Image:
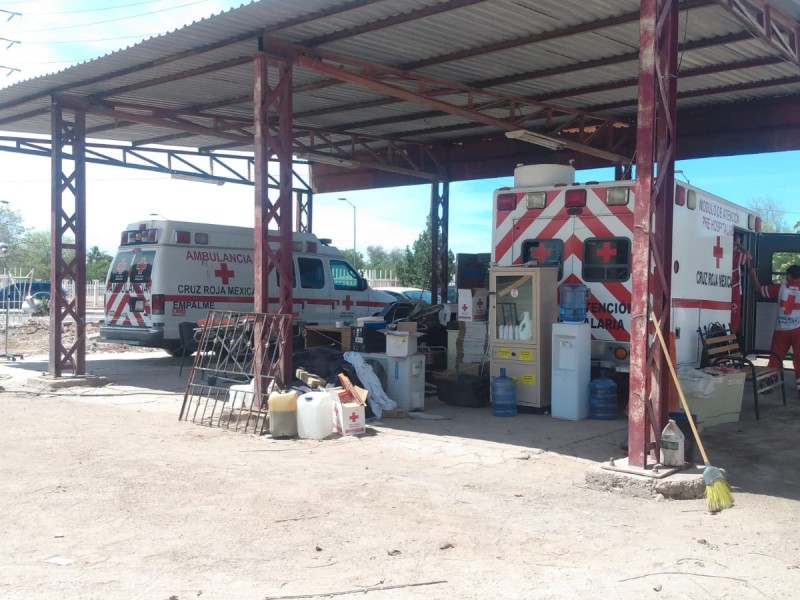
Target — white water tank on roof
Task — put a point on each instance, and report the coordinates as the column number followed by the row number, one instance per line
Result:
column 541, row 175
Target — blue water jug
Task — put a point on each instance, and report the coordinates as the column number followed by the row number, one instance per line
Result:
column 504, row 396
column 603, row 398
column 572, row 302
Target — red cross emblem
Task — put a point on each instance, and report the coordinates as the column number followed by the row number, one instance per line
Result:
column 353, row 417
column 347, row 302
column 224, row 273
column 717, row 251
column 480, row 303
column 541, row 253
column 789, row 305
column 122, row 266
column 605, row 252
column 141, row 266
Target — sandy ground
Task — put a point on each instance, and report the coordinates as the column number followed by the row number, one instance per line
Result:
column 107, row 495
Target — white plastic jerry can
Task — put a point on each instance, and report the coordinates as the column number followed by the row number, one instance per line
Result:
column 672, row 445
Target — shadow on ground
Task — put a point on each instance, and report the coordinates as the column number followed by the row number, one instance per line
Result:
column 760, row 456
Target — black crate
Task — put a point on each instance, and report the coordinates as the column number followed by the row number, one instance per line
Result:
column 367, row 339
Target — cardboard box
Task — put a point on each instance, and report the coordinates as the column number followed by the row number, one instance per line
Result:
column 402, row 342
column 348, row 414
column 473, row 304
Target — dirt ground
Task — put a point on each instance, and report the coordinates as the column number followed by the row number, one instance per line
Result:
column 107, row 495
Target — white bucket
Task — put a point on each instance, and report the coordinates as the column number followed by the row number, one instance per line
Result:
column 314, row 415
column 541, row 175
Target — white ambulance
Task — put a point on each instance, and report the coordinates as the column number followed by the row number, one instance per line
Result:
column 587, row 231
column 170, row 272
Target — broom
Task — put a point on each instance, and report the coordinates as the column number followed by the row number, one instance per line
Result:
column 718, row 492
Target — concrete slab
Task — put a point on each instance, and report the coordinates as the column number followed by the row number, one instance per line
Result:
column 754, row 452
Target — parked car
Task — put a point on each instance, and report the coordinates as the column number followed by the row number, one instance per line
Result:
column 12, row 295
column 408, row 294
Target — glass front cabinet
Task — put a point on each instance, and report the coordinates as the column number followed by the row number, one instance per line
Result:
column 522, row 309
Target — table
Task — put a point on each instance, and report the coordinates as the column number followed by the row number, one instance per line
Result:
column 326, row 335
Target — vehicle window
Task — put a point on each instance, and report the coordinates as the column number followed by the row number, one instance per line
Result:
column 312, row 273
column 142, row 267
column 780, row 262
column 135, row 267
column 545, row 252
column 121, row 267
column 344, row 276
column 606, row 259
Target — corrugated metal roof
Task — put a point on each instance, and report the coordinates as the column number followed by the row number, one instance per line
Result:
column 573, row 54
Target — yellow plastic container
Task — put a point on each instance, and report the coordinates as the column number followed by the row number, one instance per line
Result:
column 283, row 414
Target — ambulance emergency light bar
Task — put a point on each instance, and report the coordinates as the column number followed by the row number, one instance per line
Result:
column 536, row 138
column 329, row 160
column 139, row 236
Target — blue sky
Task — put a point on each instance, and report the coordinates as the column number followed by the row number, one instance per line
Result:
column 54, row 34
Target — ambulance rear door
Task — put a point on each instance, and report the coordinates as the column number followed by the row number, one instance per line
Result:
column 774, row 253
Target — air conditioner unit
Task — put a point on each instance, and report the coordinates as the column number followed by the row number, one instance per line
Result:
column 403, row 379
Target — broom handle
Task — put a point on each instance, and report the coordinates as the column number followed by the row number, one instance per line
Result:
column 678, row 386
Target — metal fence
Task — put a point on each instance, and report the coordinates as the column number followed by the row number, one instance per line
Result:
column 220, row 391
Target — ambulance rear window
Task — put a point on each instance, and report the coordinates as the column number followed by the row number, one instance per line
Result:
column 544, row 252
column 135, row 267
column 606, row 259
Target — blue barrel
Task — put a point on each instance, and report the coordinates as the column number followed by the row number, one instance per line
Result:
column 603, row 398
column 572, row 302
column 504, row 396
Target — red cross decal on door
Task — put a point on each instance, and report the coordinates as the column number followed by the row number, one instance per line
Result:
column 353, row 417
column 347, row 302
column 122, row 266
column 141, row 266
column 605, row 252
column 789, row 305
column 541, row 253
column 224, row 273
column 717, row 251
column 480, row 303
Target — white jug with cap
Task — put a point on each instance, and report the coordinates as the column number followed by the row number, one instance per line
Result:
column 315, row 415
column 672, row 445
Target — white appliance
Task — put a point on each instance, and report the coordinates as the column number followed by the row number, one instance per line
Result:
column 572, row 363
column 403, row 379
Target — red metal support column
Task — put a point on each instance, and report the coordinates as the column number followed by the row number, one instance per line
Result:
column 652, row 240
column 273, row 246
column 440, row 209
column 67, row 241
column 305, row 210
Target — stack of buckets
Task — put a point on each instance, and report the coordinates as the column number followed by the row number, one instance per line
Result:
column 603, row 390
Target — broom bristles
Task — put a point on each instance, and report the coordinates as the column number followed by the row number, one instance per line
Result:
column 719, row 495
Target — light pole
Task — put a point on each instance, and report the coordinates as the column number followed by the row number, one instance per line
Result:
column 355, row 256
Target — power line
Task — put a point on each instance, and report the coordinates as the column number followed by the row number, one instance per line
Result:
column 94, row 23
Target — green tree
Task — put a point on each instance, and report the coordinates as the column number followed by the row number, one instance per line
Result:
column 414, row 269
column 378, row 258
column 773, row 215
column 354, row 259
column 97, row 263
column 33, row 254
column 12, row 233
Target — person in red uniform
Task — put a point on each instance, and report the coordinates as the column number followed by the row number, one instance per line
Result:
column 741, row 259
column 787, row 326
